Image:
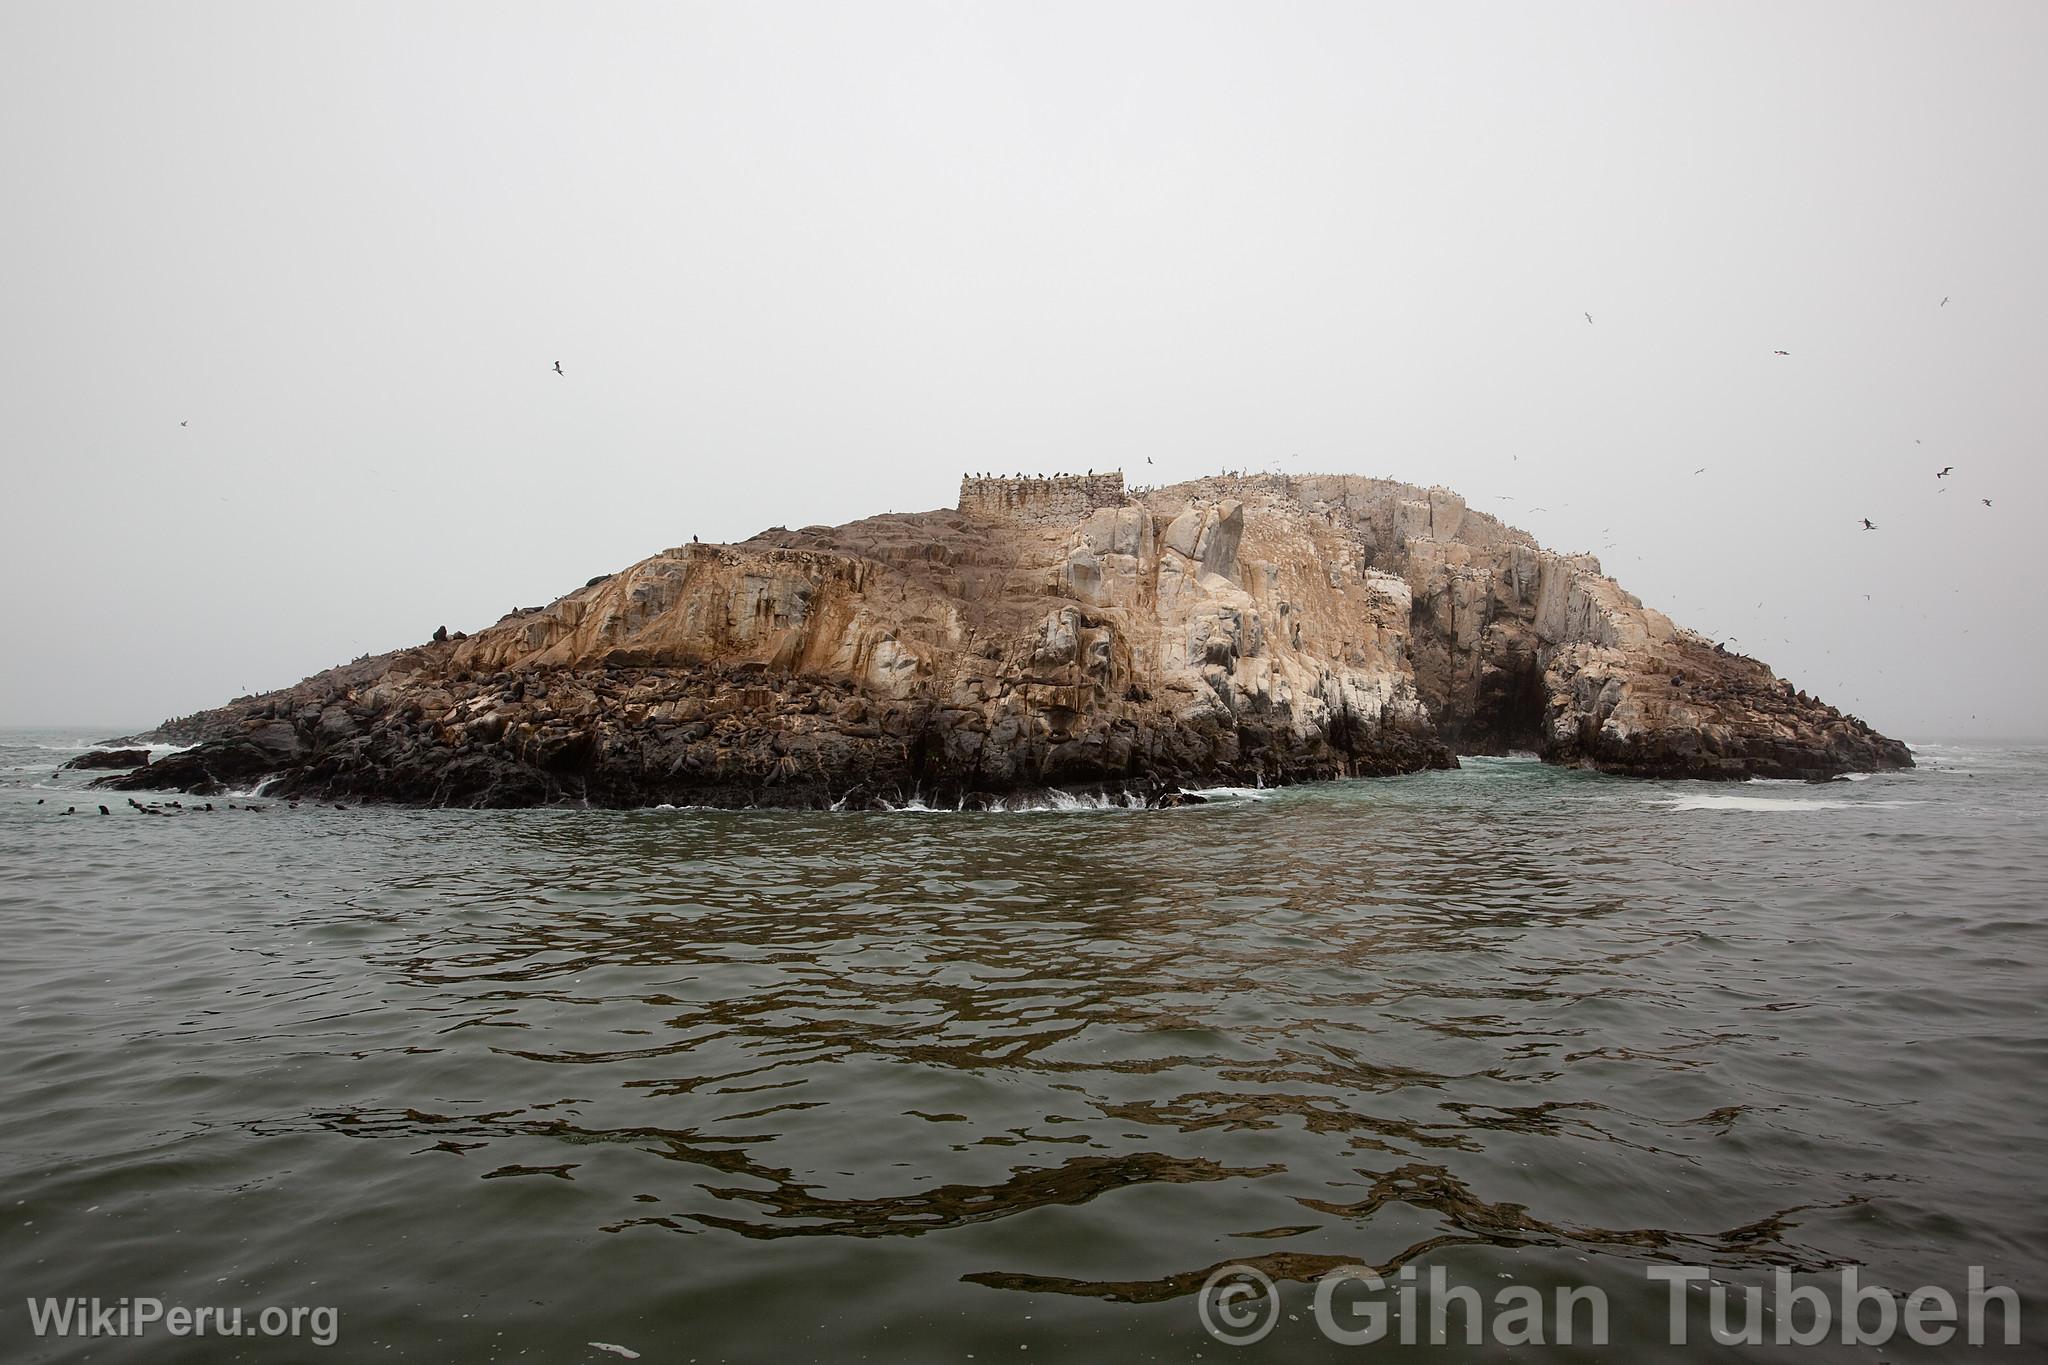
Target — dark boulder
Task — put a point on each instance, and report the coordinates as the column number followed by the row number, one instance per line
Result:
column 210, row 769
column 111, row 758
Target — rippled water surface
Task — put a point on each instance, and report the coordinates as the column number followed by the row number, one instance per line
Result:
column 932, row 1086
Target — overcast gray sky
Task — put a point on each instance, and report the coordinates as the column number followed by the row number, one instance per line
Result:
column 806, row 262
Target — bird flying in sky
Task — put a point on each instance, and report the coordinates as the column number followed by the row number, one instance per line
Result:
column 1985, row 501
column 1781, row 353
column 1869, row 525
column 1589, row 319
column 1945, row 471
column 558, row 367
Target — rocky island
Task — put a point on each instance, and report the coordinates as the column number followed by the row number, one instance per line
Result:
column 1047, row 632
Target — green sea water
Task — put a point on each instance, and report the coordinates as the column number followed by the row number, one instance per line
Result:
column 937, row 1086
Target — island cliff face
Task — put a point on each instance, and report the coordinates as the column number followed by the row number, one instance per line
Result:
column 1048, row 633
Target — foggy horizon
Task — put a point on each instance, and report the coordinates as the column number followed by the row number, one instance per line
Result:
column 808, row 265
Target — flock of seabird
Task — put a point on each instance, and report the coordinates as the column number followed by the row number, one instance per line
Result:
column 1041, row 478
column 1939, row 474
column 1867, row 523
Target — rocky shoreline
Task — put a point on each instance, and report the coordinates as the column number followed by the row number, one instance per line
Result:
column 1046, row 635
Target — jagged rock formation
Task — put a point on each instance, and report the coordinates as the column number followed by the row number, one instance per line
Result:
column 1045, row 633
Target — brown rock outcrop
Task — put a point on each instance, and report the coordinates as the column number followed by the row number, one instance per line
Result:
column 1048, row 633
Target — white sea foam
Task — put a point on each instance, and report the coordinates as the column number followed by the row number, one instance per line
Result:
column 916, row 805
column 1752, row 803
column 1802, row 781
column 1769, row 803
column 1063, row 802
column 156, row 751
column 1036, row 803
column 250, row 793
column 1059, row 800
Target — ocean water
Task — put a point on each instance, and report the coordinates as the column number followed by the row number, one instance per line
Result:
column 558, row 1085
